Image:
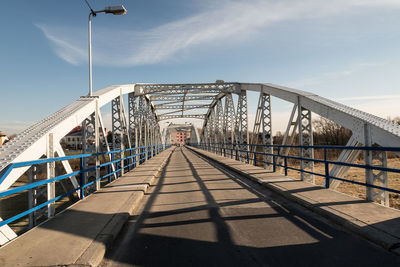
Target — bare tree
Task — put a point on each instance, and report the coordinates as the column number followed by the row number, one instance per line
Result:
column 395, row 120
column 327, row 132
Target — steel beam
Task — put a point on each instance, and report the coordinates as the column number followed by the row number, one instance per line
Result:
column 186, row 107
column 117, row 132
column 192, row 116
column 305, row 139
column 242, row 115
column 51, row 173
column 133, row 124
column 373, row 177
column 263, row 126
column 347, row 156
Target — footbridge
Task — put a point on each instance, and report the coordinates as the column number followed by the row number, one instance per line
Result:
column 233, row 194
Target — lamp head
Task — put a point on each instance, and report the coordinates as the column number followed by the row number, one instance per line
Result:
column 115, row 10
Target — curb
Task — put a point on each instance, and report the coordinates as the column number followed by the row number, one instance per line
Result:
column 351, row 224
column 94, row 254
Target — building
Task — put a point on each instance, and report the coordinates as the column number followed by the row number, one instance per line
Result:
column 180, row 133
column 73, row 140
column 3, row 138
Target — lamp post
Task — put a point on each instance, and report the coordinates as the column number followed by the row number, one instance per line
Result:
column 115, row 10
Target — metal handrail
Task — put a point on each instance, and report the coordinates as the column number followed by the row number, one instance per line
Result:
column 157, row 148
column 232, row 147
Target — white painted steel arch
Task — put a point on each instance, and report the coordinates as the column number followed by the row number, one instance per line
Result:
column 31, row 143
column 179, row 100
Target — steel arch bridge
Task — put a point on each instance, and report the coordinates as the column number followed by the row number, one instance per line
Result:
column 224, row 121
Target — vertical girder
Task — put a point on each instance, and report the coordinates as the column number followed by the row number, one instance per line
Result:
column 219, row 116
column 117, row 132
column 375, row 177
column 89, row 147
column 229, row 119
column 305, row 139
column 262, row 125
column 51, row 173
column 242, row 127
column 133, row 122
column 34, row 194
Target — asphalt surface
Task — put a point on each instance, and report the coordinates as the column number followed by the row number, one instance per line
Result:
column 201, row 215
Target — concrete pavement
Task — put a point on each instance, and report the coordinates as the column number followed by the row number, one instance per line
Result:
column 200, row 215
column 371, row 221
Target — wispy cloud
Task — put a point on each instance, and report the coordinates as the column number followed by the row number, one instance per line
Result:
column 13, row 126
column 237, row 20
column 370, row 97
column 324, row 77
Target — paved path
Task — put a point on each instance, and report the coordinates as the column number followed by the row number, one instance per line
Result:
column 199, row 215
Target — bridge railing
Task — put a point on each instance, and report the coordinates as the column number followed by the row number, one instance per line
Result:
column 248, row 153
column 131, row 158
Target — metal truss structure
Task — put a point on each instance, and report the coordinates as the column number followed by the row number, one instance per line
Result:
column 223, row 123
column 263, row 127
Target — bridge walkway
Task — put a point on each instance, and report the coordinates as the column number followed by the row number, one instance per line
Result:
column 80, row 234
column 200, row 214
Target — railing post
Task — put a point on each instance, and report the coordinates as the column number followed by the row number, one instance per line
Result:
column 130, row 161
column 81, row 178
column 273, row 162
column 247, row 153
column 109, row 171
column 236, row 157
column 255, row 157
column 327, row 180
column 286, row 170
column 115, row 165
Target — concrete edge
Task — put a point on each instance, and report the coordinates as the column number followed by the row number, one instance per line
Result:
column 94, row 254
column 367, row 232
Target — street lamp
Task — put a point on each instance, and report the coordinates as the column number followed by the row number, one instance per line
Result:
column 115, row 10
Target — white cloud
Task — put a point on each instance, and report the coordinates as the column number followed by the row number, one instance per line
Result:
column 65, row 49
column 383, row 108
column 233, row 20
column 370, row 97
column 324, row 77
column 13, row 126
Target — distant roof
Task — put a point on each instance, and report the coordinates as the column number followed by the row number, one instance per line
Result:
column 75, row 134
column 76, row 129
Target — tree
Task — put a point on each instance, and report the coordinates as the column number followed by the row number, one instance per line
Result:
column 395, row 120
column 327, row 132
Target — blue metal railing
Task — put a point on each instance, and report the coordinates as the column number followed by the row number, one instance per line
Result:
column 249, row 153
column 135, row 155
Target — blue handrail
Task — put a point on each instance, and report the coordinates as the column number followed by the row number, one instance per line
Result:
column 131, row 164
column 235, row 151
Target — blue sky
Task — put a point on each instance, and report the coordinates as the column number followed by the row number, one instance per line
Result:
column 346, row 50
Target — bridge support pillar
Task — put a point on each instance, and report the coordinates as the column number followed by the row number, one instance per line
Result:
column 242, row 126
column 34, row 194
column 117, row 133
column 375, row 177
column 51, row 173
column 228, row 129
column 90, row 145
column 133, row 125
column 305, row 139
column 219, row 115
column 263, row 125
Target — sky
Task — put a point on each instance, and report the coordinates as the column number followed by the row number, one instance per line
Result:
column 345, row 50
